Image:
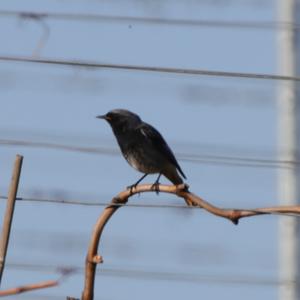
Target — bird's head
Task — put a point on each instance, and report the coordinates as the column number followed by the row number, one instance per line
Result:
column 121, row 119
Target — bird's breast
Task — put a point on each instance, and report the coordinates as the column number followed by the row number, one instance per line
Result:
column 140, row 161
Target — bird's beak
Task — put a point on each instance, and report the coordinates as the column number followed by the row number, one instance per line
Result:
column 102, row 117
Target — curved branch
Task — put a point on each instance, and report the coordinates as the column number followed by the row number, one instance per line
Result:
column 182, row 191
column 92, row 258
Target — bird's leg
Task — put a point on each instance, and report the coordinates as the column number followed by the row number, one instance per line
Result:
column 130, row 187
column 155, row 185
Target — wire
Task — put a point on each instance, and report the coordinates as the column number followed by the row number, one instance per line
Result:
column 140, row 205
column 194, row 158
column 87, row 203
column 171, row 70
column 150, row 20
column 151, row 275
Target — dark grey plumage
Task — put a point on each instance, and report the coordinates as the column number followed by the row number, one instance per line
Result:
column 143, row 146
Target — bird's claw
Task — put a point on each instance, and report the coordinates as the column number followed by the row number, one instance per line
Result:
column 183, row 187
column 155, row 187
column 131, row 187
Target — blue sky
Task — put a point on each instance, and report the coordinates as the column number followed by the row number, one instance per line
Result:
column 196, row 114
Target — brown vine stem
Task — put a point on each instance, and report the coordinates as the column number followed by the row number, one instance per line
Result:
column 234, row 215
column 29, row 287
column 65, row 272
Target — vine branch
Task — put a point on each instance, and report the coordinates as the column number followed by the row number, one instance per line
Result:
column 182, row 191
column 38, row 285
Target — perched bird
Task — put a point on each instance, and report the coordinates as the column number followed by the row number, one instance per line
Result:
column 143, row 147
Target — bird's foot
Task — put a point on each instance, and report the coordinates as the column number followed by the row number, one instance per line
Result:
column 155, row 187
column 182, row 187
column 131, row 187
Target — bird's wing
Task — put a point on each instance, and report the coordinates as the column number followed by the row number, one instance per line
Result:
column 159, row 143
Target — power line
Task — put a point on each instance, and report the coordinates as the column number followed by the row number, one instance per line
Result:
column 170, row 70
column 132, row 205
column 151, row 274
column 194, row 158
column 150, row 20
column 89, row 203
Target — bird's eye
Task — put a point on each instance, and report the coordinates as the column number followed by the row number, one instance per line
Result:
column 109, row 116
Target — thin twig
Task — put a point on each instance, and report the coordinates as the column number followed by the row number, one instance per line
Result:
column 39, row 285
column 29, row 287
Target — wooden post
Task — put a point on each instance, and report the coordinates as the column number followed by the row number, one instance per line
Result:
column 9, row 211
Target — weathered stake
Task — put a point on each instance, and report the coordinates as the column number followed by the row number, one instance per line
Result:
column 9, row 211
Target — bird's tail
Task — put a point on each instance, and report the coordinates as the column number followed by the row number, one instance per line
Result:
column 172, row 174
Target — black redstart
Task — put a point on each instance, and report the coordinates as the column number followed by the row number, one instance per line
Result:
column 143, row 147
